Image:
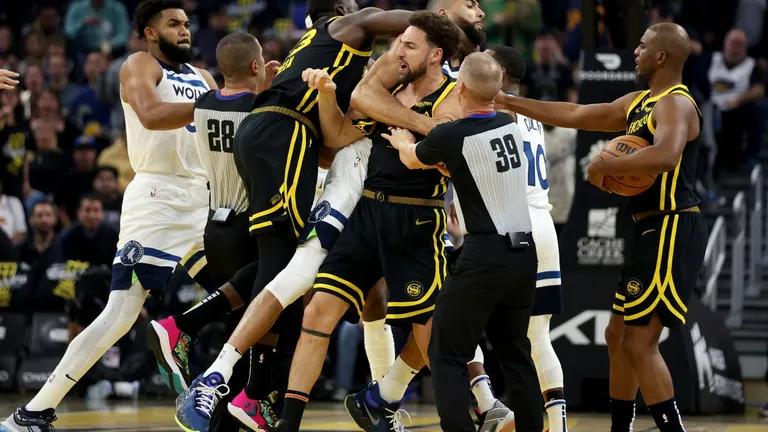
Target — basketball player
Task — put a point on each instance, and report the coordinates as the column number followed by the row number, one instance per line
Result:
column 658, row 275
column 548, row 299
column 493, row 285
column 8, row 79
column 276, row 153
column 165, row 206
column 396, row 229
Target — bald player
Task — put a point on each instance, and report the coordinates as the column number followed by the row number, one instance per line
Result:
column 658, row 275
column 493, row 285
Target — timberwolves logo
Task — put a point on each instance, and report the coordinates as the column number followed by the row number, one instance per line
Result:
column 414, row 289
column 634, row 287
column 131, row 253
column 321, row 210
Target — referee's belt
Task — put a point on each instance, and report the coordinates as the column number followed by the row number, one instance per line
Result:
column 301, row 118
column 394, row 199
column 637, row 217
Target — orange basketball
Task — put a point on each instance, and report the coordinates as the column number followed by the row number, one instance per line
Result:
column 626, row 185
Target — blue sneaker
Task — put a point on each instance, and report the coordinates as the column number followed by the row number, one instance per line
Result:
column 29, row 421
column 374, row 414
column 194, row 412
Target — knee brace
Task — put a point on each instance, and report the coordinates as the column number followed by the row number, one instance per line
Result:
column 297, row 277
column 548, row 366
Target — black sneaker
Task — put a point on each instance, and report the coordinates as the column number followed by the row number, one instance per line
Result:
column 29, row 421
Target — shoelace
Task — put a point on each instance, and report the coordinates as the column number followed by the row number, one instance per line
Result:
column 396, row 419
column 207, row 397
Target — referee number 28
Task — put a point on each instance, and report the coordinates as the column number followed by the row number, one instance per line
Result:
column 506, row 153
column 221, row 135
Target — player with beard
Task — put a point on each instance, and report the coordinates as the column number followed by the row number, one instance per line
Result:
column 165, row 206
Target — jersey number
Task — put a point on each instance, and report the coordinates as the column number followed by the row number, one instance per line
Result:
column 506, row 152
column 537, row 165
column 221, row 135
column 300, row 45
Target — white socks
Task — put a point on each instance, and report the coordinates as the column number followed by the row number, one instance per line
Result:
column 225, row 362
column 113, row 322
column 392, row 387
column 481, row 388
column 379, row 347
column 556, row 415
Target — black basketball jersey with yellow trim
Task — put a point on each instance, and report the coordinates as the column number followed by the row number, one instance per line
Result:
column 385, row 171
column 672, row 190
column 316, row 50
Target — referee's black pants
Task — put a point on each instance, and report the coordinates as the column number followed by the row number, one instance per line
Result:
column 492, row 290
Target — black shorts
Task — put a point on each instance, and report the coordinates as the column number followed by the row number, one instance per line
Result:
column 661, row 268
column 228, row 247
column 402, row 243
column 276, row 156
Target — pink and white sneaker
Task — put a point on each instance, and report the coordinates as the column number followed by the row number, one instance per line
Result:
column 171, row 348
column 256, row 415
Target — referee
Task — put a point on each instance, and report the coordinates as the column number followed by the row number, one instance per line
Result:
column 492, row 288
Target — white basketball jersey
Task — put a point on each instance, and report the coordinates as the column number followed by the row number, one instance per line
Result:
column 535, row 162
column 168, row 152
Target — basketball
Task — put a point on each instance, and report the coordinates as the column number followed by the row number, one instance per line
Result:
column 626, row 185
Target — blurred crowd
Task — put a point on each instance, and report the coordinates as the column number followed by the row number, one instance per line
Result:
column 63, row 156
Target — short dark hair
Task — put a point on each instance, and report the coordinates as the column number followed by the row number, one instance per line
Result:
column 148, row 9
column 108, row 168
column 317, row 9
column 235, row 52
column 441, row 31
column 511, row 60
column 89, row 196
column 42, row 202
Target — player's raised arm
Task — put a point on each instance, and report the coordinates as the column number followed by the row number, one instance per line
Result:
column 337, row 129
column 362, row 27
column 139, row 76
column 605, row 117
column 373, row 98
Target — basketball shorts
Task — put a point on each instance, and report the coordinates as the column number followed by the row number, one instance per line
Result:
column 276, row 157
column 549, row 296
column 402, row 243
column 342, row 190
column 161, row 220
column 660, row 271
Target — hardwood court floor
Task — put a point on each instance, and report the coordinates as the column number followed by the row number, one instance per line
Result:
column 157, row 416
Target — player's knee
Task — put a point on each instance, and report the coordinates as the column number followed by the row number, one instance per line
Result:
column 636, row 348
column 538, row 330
column 323, row 312
column 613, row 337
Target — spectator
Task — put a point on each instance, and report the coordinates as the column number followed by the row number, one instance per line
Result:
column 737, row 83
column 34, row 50
column 59, row 68
column 47, row 22
column 207, row 39
column 110, row 89
column 89, row 240
column 45, row 166
column 47, row 110
column 79, row 180
column 35, row 256
column 57, row 45
column 88, row 104
column 34, row 83
column 6, row 40
column 15, row 139
column 550, row 77
column 107, row 189
column 97, row 25
column 12, row 219
column 116, row 155
column 561, row 175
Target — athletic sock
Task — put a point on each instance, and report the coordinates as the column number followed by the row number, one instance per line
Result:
column 622, row 415
column 392, row 387
column 481, row 388
column 259, row 379
column 556, row 414
column 667, row 416
column 213, row 306
column 379, row 347
column 293, row 410
column 225, row 362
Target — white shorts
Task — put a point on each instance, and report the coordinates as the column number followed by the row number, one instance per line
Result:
column 162, row 218
column 548, row 283
column 343, row 189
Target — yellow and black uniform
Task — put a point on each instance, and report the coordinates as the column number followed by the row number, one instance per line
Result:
column 396, row 231
column 276, row 146
column 669, row 237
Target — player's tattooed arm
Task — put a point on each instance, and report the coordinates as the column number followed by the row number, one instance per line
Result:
column 373, row 98
column 139, row 76
column 336, row 127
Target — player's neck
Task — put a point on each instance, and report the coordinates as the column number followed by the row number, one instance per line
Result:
column 428, row 83
column 662, row 80
column 235, row 87
column 156, row 53
column 475, row 108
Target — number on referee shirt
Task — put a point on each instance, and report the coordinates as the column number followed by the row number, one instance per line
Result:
column 506, row 151
column 221, row 135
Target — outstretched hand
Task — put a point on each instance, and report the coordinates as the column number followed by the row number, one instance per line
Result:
column 399, row 137
column 318, row 79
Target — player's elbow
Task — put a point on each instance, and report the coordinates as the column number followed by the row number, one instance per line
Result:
column 359, row 98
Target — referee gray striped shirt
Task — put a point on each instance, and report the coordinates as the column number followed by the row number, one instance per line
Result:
column 217, row 119
column 483, row 154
